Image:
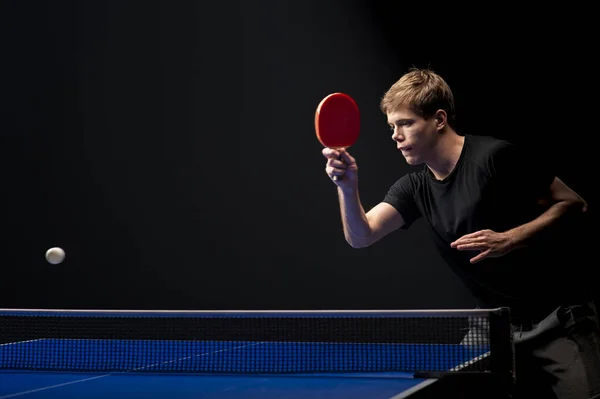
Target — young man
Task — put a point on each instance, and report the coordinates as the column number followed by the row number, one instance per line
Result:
column 501, row 219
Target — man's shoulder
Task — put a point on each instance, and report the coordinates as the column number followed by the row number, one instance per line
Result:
column 487, row 145
column 481, row 150
column 413, row 177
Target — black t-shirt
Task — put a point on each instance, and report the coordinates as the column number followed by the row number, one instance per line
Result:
column 495, row 185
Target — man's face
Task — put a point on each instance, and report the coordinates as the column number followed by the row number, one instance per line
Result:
column 414, row 136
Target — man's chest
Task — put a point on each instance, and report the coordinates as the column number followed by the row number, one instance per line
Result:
column 460, row 208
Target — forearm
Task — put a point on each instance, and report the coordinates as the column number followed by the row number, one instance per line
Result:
column 354, row 219
column 545, row 224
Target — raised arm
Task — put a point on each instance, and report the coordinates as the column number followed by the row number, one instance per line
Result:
column 361, row 229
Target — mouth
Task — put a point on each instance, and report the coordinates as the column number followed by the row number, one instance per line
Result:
column 404, row 149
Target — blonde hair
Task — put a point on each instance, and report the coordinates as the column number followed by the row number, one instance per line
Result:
column 423, row 91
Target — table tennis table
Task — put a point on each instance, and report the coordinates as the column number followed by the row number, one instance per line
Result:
column 42, row 357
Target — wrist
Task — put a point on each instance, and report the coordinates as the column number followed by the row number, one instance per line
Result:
column 348, row 194
column 514, row 240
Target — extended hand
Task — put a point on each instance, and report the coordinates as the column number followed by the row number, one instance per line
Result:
column 490, row 244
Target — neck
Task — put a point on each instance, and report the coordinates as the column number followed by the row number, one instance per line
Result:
column 445, row 154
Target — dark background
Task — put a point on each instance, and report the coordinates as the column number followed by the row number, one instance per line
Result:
column 169, row 146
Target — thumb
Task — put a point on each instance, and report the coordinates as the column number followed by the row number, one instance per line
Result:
column 330, row 153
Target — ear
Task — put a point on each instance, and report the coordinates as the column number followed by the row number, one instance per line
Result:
column 441, row 118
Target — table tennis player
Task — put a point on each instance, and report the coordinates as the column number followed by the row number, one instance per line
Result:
column 501, row 219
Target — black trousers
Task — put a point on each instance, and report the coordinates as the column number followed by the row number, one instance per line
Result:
column 559, row 356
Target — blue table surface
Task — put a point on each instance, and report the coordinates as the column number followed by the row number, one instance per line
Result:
column 53, row 385
column 178, row 385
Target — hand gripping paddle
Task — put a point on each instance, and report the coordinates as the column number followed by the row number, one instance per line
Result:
column 337, row 122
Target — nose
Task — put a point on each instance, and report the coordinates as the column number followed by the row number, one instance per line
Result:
column 397, row 135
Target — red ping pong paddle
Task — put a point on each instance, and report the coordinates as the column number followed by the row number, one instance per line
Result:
column 337, row 122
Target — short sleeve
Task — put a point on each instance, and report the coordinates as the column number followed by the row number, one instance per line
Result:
column 401, row 196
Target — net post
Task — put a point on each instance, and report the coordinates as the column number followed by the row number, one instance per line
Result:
column 502, row 359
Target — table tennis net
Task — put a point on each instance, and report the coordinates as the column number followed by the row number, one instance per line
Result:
column 256, row 341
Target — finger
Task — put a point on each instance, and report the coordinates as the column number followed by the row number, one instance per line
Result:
column 330, row 153
column 474, row 246
column 472, row 235
column 480, row 257
column 465, row 238
column 335, row 171
column 346, row 157
column 461, row 241
column 335, row 163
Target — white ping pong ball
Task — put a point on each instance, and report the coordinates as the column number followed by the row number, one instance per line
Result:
column 55, row 255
